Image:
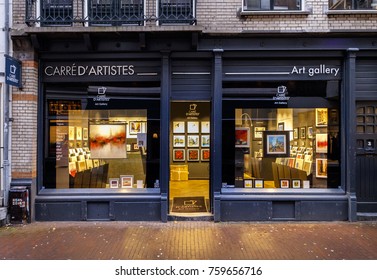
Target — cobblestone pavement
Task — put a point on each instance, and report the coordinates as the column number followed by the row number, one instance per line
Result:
column 193, row 240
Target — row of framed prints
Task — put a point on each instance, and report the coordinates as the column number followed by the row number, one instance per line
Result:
column 191, row 127
column 283, row 183
column 191, row 141
column 125, row 182
column 191, row 154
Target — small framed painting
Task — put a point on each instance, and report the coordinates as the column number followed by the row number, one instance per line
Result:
column 296, row 183
column 205, row 154
column 193, row 141
column 192, row 127
column 310, row 132
column 205, row 127
column 85, row 133
column 258, row 183
column 242, row 137
column 71, row 133
column 205, row 141
column 303, row 132
column 321, row 143
column 258, row 132
column 281, row 126
column 114, row 183
column 179, row 141
column 193, row 154
column 78, row 133
column 248, row 183
column 178, row 154
column 284, row 183
column 126, row 181
column 321, row 167
column 135, row 127
column 321, row 118
column 295, row 133
column 178, row 127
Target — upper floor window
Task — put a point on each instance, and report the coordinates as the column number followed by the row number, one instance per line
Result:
column 272, row 5
column 352, row 4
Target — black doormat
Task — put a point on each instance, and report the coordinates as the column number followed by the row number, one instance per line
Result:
column 189, row 204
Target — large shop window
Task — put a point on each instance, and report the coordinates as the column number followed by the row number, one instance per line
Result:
column 101, row 148
column 282, row 148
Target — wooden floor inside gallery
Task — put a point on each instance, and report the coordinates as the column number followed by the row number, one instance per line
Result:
column 189, row 188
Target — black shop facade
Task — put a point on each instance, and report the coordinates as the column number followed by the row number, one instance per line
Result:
column 215, row 134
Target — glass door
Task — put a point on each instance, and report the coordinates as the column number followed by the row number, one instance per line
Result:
column 190, row 158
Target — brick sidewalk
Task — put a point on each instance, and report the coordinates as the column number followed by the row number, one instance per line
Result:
column 189, row 240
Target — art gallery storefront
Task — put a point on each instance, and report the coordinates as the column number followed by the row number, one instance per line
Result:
column 208, row 134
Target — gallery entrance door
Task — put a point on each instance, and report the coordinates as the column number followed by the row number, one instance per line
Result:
column 189, row 186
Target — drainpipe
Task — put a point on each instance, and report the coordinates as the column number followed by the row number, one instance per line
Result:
column 7, row 110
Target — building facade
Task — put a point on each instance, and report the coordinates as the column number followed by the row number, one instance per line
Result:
column 233, row 111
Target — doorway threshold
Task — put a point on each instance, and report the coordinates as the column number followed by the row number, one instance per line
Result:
column 201, row 216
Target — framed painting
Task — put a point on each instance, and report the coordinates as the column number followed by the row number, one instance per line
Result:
column 71, row 133
column 126, row 181
column 205, row 141
column 107, row 141
column 302, row 132
column 258, row 132
column 193, row 154
column 114, row 183
column 178, row 127
column 248, row 183
column 321, row 118
column 193, row 141
column 179, row 141
column 310, row 132
column 258, row 183
column 178, row 154
column 276, row 144
column 284, row 183
column 296, row 183
column 321, row 168
column 242, row 137
column 281, row 126
column 135, row 127
column 321, row 143
column 205, row 154
column 205, row 127
column 192, row 127
column 295, row 133
column 85, row 134
column 78, row 133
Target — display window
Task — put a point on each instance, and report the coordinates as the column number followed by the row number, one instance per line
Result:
column 281, row 148
column 109, row 148
column 286, row 148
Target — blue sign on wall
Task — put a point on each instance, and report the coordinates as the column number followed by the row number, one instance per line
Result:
column 13, row 71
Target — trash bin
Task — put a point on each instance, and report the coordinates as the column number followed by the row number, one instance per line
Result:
column 19, row 204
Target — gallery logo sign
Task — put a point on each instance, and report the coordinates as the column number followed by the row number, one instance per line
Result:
column 281, row 95
column 13, row 71
column 101, row 99
column 192, row 113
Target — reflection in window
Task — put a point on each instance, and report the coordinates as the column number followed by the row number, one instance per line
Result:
column 96, row 148
column 352, row 4
column 272, row 5
column 286, row 148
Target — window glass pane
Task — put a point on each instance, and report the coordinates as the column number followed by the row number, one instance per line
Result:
column 100, row 148
column 288, row 148
column 272, row 5
column 351, row 5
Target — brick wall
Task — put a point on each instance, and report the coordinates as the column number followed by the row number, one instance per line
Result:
column 221, row 16
column 24, row 126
